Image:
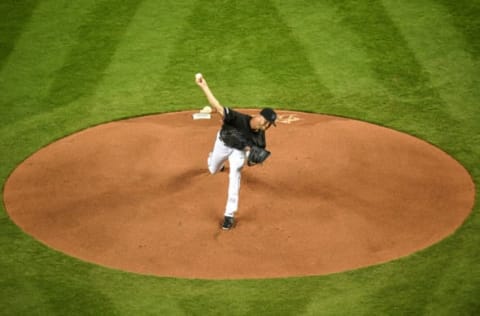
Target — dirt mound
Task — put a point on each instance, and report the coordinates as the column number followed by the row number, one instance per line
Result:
column 336, row 194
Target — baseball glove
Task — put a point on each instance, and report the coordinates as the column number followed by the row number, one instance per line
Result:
column 257, row 155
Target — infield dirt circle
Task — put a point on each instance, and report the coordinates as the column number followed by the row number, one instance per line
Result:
column 336, row 194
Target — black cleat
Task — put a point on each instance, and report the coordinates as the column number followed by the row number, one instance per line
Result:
column 227, row 223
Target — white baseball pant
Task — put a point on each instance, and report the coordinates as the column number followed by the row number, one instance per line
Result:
column 236, row 160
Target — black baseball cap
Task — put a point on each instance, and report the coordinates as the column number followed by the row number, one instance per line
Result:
column 269, row 115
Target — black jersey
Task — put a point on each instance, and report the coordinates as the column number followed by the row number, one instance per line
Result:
column 241, row 122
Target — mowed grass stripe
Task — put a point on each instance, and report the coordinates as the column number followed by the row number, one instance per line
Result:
column 390, row 57
column 454, row 74
column 136, row 68
column 59, row 60
column 13, row 17
column 411, row 96
column 131, row 74
column 247, row 54
column 336, row 52
column 465, row 16
column 39, row 50
column 440, row 48
column 97, row 41
column 37, row 281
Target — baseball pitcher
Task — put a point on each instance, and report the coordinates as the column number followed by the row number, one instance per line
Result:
column 240, row 140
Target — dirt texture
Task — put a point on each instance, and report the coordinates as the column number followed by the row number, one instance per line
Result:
column 336, row 194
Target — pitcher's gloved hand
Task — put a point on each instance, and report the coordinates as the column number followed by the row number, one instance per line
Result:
column 257, row 155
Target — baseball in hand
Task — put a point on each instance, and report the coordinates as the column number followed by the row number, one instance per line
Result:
column 206, row 109
column 198, row 76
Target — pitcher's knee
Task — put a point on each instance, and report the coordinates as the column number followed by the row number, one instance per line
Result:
column 239, row 168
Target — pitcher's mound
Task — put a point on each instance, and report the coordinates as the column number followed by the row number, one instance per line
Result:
column 336, row 194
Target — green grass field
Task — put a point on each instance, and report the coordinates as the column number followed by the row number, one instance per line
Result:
column 412, row 66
